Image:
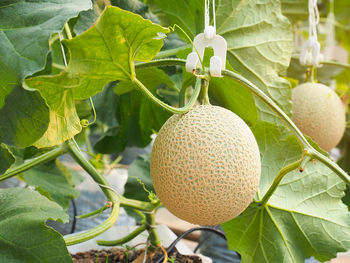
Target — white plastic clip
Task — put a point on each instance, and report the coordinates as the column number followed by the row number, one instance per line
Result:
column 208, row 39
column 217, row 62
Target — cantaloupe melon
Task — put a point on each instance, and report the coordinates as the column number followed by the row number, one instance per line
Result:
column 205, row 165
column 319, row 113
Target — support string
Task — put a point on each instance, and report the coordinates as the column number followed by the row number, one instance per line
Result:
column 310, row 52
column 209, row 30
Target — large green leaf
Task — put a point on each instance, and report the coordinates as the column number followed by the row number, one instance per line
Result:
column 64, row 122
column 6, row 158
column 304, row 217
column 107, row 51
column 25, row 29
column 51, row 180
column 104, row 53
column 24, row 236
column 24, row 118
column 260, row 43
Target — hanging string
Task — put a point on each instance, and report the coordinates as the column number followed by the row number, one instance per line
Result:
column 62, row 49
column 310, row 52
column 209, row 31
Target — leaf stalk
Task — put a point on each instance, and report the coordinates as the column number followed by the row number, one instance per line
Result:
column 278, row 179
column 51, row 155
column 89, row 234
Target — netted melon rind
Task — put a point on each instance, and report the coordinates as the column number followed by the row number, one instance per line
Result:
column 205, row 165
column 319, row 113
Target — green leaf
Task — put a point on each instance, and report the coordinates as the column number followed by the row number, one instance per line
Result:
column 138, row 177
column 260, row 43
column 133, row 118
column 189, row 15
column 64, row 122
column 6, row 158
column 105, row 104
column 25, row 29
column 24, row 236
column 24, row 118
column 304, row 217
column 295, row 9
column 235, row 98
column 139, row 170
column 52, row 181
column 107, row 51
column 85, row 21
column 138, row 118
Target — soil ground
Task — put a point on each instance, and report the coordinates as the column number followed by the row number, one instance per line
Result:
column 121, row 255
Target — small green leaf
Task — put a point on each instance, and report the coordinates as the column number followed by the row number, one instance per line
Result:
column 85, row 21
column 25, row 29
column 24, row 236
column 139, row 170
column 189, row 15
column 6, row 158
column 139, row 179
column 52, row 181
column 64, row 122
column 295, row 9
column 304, row 217
column 24, row 118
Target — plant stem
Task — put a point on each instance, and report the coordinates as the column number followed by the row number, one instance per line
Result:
column 334, row 63
column 167, row 107
column 139, row 205
column 87, row 141
column 125, row 239
column 152, row 231
column 165, row 62
column 89, row 234
column 68, row 32
column 96, row 212
column 51, row 155
column 74, row 151
column 204, row 98
column 171, row 52
column 182, row 96
column 278, row 179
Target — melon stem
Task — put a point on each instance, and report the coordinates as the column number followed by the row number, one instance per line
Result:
column 203, row 96
column 167, row 107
